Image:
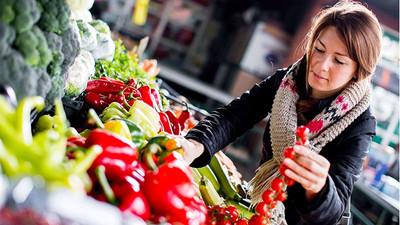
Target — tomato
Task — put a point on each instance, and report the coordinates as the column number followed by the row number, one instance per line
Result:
column 262, row 208
column 224, row 222
column 268, row 214
column 289, row 182
column 211, row 221
column 258, row 220
column 303, row 142
column 282, row 169
column 302, row 132
column 242, row 221
column 268, row 196
column 289, row 153
column 281, row 196
column 277, row 184
column 272, row 204
column 233, row 212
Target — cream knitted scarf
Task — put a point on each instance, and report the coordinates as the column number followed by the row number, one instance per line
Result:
column 327, row 125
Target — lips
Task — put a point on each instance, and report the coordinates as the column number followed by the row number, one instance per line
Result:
column 318, row 77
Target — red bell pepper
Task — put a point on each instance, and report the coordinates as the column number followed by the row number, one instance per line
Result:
column 126, row 195
column 176, row 127
column 169, row 189
column 119, row 170
column 113, row 146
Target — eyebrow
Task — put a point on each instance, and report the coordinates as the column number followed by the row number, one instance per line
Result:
column 338, row 53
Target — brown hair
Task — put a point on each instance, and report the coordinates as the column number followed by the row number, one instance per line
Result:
column 359, row 30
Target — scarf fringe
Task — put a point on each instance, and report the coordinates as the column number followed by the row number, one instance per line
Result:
column 268, row 170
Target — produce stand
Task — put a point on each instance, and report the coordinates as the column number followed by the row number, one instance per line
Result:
column 90, row 134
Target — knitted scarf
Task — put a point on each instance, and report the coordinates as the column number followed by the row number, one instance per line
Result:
column 324, row 127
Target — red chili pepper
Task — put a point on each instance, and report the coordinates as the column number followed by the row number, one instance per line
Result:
column 107, row 87
column 114, row 98
column 94, row 99
column 113, row 146
column 111, row 79
column 166, row 124
column 184, row 116
column 135, row 94
column 147, row 97
column 169, row 189
column 176, row 127
column 131, row 82
column 156, row 97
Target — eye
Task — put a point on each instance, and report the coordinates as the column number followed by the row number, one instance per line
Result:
column 318, row 50
column 340, row 62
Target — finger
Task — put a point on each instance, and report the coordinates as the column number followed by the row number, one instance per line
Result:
column 305, row 152
column 299, row 173
column 304, row 181
column 311, row 165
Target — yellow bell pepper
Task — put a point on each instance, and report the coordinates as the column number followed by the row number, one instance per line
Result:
column 119, row 127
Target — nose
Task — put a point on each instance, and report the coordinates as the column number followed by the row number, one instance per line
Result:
column 324, row 64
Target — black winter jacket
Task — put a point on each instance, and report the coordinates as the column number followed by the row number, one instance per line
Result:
column 346, row 153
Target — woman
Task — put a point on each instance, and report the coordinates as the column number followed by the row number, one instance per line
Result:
column 328, row 90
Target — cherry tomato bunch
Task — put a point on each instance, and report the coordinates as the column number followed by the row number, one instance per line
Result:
column 224, row 215
column 277, row 191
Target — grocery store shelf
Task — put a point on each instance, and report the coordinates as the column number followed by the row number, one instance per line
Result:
column 193, row 84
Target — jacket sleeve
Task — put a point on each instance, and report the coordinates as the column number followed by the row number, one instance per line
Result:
column 227, row 123
column 346, row 154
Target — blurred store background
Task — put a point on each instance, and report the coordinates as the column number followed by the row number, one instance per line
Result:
column 210, row 51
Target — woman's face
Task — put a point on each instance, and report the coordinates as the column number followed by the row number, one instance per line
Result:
column 331, row 68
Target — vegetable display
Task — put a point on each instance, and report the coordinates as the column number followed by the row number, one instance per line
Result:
column 122, row 153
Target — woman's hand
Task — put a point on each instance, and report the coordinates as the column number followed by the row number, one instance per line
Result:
column 192, row 148
column 309, row 169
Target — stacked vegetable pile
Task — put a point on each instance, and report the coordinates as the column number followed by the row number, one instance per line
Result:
column 38, row 45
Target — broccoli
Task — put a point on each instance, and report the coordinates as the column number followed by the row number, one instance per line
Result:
column 55, row 15
column 27, row 13
column 33, row 46
column 44, row 82
column 26, row 43
column 70, row 49
column 55, row 44
column 16, row 73
column 43, row 48
column 56, row 91
column 7, row 37
column 6, row 11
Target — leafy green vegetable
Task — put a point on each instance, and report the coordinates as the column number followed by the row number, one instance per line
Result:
column 123, row 66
